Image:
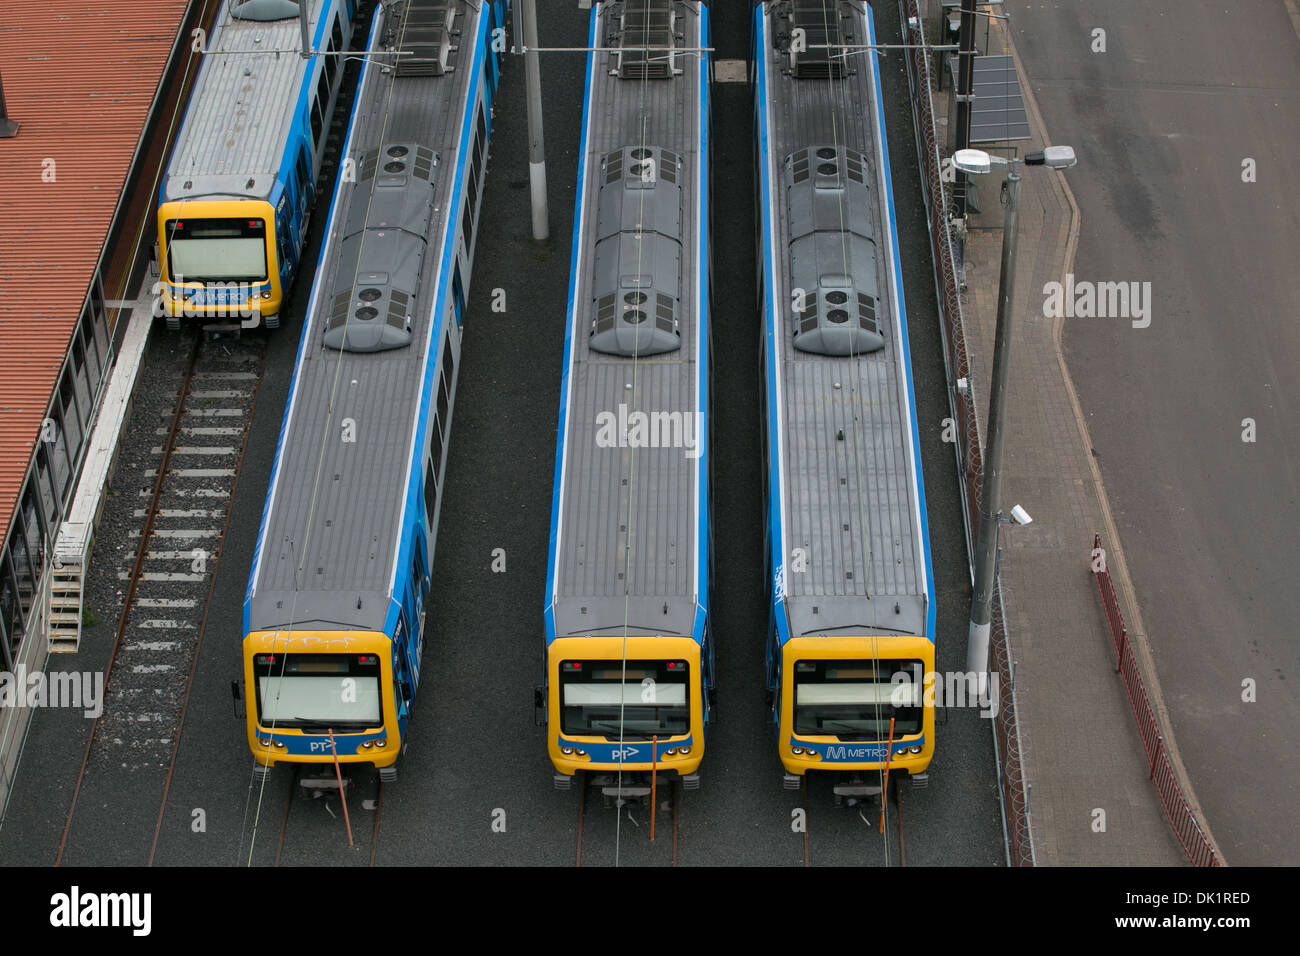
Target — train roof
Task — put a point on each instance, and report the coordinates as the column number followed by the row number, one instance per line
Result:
column 333, row 519
column 238, row 121
column 629, row 523
column 851, row 497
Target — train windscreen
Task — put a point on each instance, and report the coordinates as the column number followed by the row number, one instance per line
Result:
column 216, row 250
column 854, row 700
column 318, row 690
column 639, row 700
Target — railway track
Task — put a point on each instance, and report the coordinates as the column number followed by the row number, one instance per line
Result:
column 883, row 840
column 630, row 834
column 169, row 565
column 314, row 826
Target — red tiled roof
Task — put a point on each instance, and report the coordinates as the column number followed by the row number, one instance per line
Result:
column 79, row 76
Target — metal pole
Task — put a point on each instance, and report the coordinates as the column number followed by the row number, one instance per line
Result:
column 965, row 89
column 536, row 153
column 981, row 608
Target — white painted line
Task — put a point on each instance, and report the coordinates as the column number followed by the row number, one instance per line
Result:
column 151, row 646
column 208, row 413
column 151, row 669
column 162, row 576
column 223, row 393
column 198, row 430
column 196, row 450
column 186, row 493
column 226, row 376
column 158, row 624
column 172, row 513
column 178, row 603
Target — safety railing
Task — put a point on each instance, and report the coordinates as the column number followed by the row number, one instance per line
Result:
column 1181, row 818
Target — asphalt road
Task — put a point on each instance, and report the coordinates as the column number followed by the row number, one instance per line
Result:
column 475, row 757
column 1162, row 122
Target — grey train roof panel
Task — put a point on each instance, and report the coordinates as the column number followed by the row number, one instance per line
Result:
column 215, row 151
column 334, row 509
column 849, row 501
column 626, row 543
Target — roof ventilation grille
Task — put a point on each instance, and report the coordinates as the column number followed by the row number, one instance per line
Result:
column 645, row 37
column 425, row 38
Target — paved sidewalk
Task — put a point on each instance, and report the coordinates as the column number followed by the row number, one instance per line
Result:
column 1082, row 754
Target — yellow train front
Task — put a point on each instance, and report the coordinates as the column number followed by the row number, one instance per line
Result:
column 855, row 706
column 245, row 172
column 631, row 707
column 325, row 696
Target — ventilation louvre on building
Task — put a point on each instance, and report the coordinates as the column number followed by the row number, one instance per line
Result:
column 645, row 23
column 833, row 258
column 385, row 239
column 637, row 271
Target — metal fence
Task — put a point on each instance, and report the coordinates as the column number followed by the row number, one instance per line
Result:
column 1181, row 818
column 1013, row 787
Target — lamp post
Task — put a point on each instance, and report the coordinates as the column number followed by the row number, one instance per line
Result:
column 981, row 609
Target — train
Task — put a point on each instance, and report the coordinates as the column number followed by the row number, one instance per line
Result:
column 850, row 648
column 628, row 665
column 335, row 613
column 245, row 172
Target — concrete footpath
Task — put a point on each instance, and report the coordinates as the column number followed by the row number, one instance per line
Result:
column 1091, row 802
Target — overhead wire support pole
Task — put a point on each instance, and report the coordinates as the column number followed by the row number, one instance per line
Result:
column 526, row 10
column 965, row 91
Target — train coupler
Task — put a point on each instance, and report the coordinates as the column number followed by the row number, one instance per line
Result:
column 562, row 781
column 323, row 783
column 388, row 774
column 920, row 781
column 790, row 781
column 852, row 792
column 690, row 781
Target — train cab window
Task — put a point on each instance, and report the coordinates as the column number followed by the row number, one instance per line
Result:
column 610, row 699
column 855, row 700
column 303, row 690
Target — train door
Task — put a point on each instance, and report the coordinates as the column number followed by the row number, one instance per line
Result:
column 421, row 593
column 403, row 683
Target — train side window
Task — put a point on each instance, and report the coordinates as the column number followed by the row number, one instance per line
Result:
column 435, row 450
column 430, row 492
column 458, row 295
column 449, row 359
column 443, row 401
column 316, row 123
column 467, row 227
column 304, row 178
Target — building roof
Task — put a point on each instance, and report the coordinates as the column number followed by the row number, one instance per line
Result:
column 80, row 77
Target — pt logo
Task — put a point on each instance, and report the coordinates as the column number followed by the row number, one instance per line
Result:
column 625, row 753
column 319, row 746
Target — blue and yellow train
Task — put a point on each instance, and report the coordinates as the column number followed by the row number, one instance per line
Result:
column 850, row 646
column 245, row 172
column 628, row 658
column 335, row 613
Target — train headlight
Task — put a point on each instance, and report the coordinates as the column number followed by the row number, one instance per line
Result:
column 683, row 750
column 264, row 743
column 279, row 745
column 266, row 294
column 567, row 751
column 580, row 753
column 796, row 751
column 381, row 743
column 915, row 750
column 670, row 751
column 367, row 744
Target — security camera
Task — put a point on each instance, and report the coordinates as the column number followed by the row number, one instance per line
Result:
column 1020, row 516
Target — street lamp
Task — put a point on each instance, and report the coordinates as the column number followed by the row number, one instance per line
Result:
column 981, row 609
